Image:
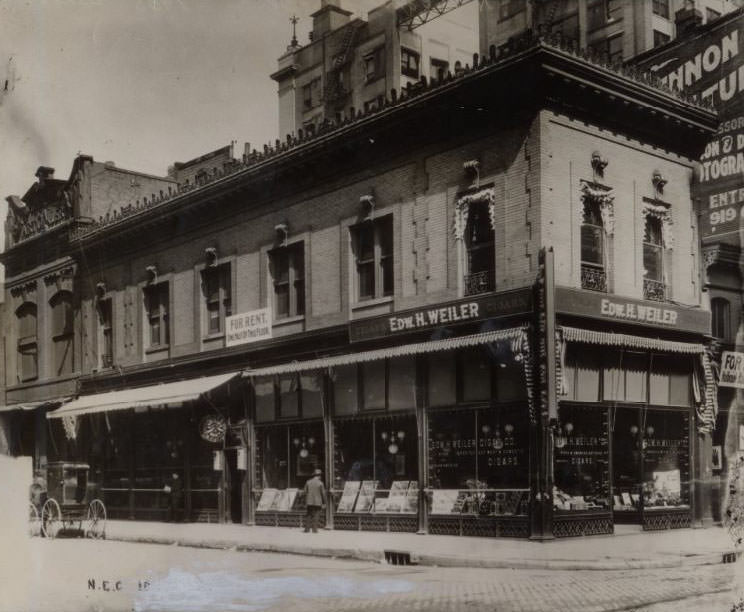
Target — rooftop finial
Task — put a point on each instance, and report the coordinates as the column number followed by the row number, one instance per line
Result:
column 293, row 20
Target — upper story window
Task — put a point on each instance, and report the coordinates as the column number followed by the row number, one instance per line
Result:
column 509, row 8
column 372, row 242
column 28, row 354
column 62, row 332
column 660, row 38
column 480, row 247
column 711, row 15
column 157, row 306
column 611, row 48
column 288, row 272
column 653, row 259
column 409, row 63
column 374, row 64
column 105, row 333
column 593, row 271
column 660, row 8
column 438, row 69
column 721, row 320
column 217, row 294
column 311, row 94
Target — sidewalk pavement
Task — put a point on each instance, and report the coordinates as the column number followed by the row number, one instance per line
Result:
column 629, row 548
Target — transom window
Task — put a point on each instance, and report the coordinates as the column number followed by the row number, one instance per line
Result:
column 28, row 357
column 156, row 305
column 373, row 249
column 217, row 294
column 288, row 271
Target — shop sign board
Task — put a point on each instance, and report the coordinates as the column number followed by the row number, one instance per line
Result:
column 628, row 310
column 711, row 66
column 248, row 327
column 442, row 315
column 732, row 370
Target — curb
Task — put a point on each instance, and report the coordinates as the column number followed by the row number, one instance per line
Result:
column 433, row 560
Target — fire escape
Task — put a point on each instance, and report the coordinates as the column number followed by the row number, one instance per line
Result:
column 335, row 89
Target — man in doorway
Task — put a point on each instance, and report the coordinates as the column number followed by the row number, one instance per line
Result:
column 315, row 500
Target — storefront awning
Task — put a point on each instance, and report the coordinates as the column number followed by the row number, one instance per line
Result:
column 513, row 334
column 574, row 334
column 27, row 406
column 154, row 395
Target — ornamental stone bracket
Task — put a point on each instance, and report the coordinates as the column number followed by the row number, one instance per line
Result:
column 721, row 254
column 462, row 209
column 59, row 276
column 605, row 198
column 23, row 289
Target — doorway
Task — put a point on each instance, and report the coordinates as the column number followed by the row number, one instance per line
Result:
column 234, row 478
column 627, row 464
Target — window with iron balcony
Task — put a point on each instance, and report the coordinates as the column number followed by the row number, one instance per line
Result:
column 217, row 296
column 480, row 274
column 593, row 272
column 373, row 252
column 156, row 304
column 653, row 260
column 288, row 273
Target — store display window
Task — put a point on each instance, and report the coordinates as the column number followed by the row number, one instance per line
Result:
column 666, row 459
column 479, row 461
column 581, row 460
column 286, row 456
column 376, row 465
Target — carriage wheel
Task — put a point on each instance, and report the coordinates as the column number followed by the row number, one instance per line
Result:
column 96, row 520
column 33, row 520
column 51, row 518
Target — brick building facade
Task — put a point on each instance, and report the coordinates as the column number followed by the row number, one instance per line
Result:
column 476, row 308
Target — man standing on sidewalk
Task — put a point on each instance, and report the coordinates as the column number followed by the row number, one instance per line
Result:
column 315, row 499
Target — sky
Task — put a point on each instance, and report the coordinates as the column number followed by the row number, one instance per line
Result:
column 143, row 83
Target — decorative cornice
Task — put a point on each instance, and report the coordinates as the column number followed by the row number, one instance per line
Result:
column 24, row 288
column 721, row 254
column 57, row 275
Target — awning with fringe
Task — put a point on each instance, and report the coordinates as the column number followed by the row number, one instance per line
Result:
column 514, row 335
column 588, row 336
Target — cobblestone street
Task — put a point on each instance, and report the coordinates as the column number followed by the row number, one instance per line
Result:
column 146, row 577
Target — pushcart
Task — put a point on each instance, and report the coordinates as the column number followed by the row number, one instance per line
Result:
column 68, row 507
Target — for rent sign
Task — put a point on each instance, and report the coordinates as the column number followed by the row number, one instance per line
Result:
column 732, row 370
column 248, row 327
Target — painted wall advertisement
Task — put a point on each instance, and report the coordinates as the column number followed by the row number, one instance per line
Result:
column 711, row 66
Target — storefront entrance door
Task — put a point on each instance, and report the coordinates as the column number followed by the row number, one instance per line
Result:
column 627, row 462
column 234, row 487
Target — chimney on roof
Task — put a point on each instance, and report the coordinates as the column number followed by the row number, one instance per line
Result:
column 44, row 173
column 329, row 17
column 687, row 19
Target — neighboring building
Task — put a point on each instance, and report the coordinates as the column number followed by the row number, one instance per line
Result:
column 476, row 308
column 43, row 345
column 708, row 63
column 616, row 29
column 352, row 64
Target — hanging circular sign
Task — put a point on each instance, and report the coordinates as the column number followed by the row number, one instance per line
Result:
column 212, row 428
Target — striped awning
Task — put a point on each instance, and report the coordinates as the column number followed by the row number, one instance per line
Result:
column 512, row 334
column 588, row 336
column 27, row 406
column 165, row 394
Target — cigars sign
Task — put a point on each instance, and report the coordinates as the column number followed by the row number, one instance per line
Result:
column 442, row 315
column 627, row 310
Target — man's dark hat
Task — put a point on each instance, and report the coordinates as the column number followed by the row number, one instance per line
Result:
column 317, row 472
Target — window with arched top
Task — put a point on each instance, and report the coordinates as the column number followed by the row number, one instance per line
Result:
column 28, row 353
column 721, row 318
column 62, row 332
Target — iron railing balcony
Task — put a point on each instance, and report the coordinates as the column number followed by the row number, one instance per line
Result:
column 654, row 290
column 480, row 282
column 593, row 278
